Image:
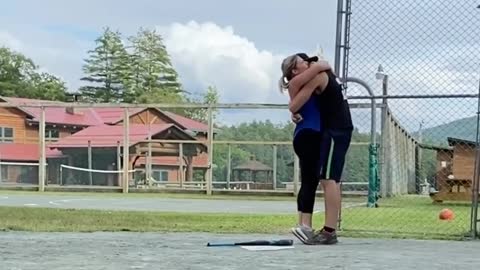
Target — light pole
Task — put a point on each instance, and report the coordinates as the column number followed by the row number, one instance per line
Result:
column 383, row 76
column 476, row 177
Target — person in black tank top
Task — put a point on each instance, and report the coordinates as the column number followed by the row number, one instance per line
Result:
column 338, row 127
column 334, row 105
column 306, row 142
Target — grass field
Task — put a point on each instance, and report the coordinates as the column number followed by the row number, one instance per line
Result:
column 406, row 217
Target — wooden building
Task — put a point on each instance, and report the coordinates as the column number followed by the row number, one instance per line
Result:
column 72, row 133
column 455, row 171
column 254, row 174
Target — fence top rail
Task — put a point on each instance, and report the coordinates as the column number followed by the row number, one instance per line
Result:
column 50, row 104
column 416, row 96
column 232, row 142
column 152, row 105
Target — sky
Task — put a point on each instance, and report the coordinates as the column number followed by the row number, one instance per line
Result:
column 426, row 47
column 238, row 46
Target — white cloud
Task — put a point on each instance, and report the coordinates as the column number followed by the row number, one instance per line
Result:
column 208, row 54
column 8, row 40
column 53, row 53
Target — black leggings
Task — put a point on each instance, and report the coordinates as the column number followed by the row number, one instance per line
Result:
column 307, row 146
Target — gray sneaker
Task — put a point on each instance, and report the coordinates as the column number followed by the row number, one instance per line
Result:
column 323, row 238
column 303, row 233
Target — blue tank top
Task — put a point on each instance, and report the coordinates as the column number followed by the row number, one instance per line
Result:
column 311, row 116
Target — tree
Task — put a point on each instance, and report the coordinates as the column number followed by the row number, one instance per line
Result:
column 19, row 77
column 152, row 77
column 255, row 131
column 49, row 87
column 211, row 97
column 16, row 72
column 106, row 69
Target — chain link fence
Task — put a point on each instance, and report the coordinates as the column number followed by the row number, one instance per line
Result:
column 421, row 60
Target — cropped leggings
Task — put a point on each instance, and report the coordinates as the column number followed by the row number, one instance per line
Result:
column 307, row 146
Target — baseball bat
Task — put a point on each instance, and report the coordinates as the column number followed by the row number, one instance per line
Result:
column 283, row 242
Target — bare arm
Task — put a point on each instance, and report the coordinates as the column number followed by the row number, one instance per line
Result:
column 320, row 81
column 301, row 79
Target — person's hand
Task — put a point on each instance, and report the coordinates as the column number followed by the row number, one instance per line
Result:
column 296, row 118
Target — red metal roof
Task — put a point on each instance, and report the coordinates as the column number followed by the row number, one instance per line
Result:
column 82, row 117
column 108, row 136
column 114, row 115
column 85, row 117
column 187, row 122
column 24, row 152
column 94, row 116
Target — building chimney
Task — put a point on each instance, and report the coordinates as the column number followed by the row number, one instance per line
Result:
column 70, row 110
column 72, row 97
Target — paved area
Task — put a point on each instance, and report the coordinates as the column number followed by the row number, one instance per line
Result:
column 58, row 251
column 155, row 204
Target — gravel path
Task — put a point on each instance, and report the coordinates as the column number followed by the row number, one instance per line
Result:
column 55, row 251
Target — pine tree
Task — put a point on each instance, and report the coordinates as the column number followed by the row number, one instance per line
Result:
column 152, row 76
column 106, row 69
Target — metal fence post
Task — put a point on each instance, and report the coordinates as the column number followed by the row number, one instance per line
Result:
column 384, row 133
column 372, row 161
column 42, row 159
column 210, row 151
column 338, row 37
column 474, row 222
column 274, row 176
column 126, row 150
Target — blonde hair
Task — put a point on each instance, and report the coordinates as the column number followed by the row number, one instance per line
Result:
column 288, row 64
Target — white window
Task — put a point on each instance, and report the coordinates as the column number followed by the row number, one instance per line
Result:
column 52, row 135
column 160, row 175
column 6, row 134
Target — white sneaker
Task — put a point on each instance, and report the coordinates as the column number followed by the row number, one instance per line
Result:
column 303, row 233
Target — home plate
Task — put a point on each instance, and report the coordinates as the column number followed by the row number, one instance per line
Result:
column 266, row 248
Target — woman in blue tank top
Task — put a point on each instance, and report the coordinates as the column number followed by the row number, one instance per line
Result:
column 337, row 126
column 306, row 139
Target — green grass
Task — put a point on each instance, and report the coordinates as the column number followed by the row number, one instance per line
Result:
column 67, row 220
column 405, row 217
column 409, row 215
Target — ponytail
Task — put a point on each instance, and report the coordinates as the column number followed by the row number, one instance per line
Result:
column 283, row 84
column 288, row 64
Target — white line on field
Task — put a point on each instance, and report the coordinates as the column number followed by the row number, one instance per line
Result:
column 59, row 202
column 30, row 204
column 4, row 197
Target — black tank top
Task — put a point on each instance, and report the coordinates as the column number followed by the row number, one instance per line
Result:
column 333, row 104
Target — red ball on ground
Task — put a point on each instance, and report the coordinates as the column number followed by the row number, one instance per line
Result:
column 446, row 214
